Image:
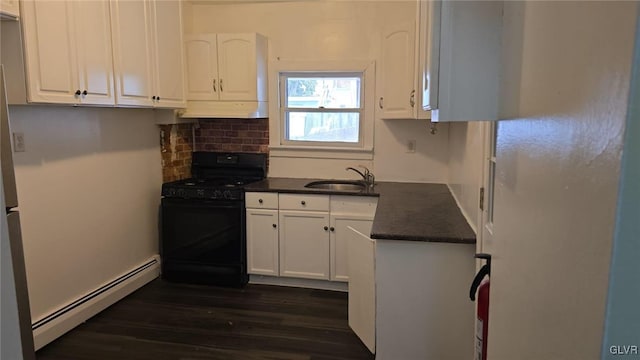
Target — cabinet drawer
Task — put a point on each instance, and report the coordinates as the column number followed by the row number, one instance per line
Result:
column 360, row 205
column 261, row 200
column 304, row 202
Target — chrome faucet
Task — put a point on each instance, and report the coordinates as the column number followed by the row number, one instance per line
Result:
column 367, row 176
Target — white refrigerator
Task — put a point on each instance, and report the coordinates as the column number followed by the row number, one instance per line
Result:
column 16, row 336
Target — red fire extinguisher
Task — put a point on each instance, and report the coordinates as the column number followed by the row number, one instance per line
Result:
column 481, row 286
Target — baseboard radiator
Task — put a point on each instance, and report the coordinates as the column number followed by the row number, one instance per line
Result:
column 73, row 314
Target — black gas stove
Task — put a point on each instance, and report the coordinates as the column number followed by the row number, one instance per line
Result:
column 203, row 220
column 218, row 176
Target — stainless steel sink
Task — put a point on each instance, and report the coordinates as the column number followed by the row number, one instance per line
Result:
column 337, row 185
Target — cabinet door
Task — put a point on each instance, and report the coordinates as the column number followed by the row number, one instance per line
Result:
column 9, row 8
column 362, row 290
column 304, row 244
column 202, row 67
column 131, row 52
column 50, row 50
column 397, row 89
column 167, row 46
column 262, row 242
column 237, row 66
column 339, row 237
column 93, row 35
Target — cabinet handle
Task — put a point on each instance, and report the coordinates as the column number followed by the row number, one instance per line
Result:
column 214, row 86
column 153, row 98
column 412, row 98
column 260, row 201
column 78, row 92
column 332, row 228
column 157, row 98
column 326, row 228
column 221, row 88
column 274, row 225
column 380, row 102
column 303, row 202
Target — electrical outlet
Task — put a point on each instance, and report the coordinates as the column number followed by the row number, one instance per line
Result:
column 411, row 146
column 18, row 142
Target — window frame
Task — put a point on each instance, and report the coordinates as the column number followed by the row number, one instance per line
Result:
column 322, row 149
column 285, row 111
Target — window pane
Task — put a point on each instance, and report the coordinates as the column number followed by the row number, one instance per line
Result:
column 328, row 127
column 328, row 92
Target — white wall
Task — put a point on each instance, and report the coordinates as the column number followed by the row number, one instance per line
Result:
column 334, row 30
column 558, row 162
column 89, row 190
column 466, row 154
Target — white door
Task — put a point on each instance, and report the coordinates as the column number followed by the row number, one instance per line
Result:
column 131, row 52
column 304, row 244
column 169, row 67
column 397, row 79
column 362, row 288
column 485, row 245
column 237, row 66
column 262, row 242
column 50, row 50
column 93, row 35
column 201, row 57
column 339, row 230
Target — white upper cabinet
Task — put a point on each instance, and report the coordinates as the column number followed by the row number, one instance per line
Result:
column 147, row 48
column 201, row 56
column 404, row 68
column 9, row 9
column 470, row 60
column 68, row 52
column 169, row 58
column 397, row 72
column 226, row 75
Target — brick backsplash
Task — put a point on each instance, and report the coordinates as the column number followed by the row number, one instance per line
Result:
column 176, row 143
column 237, row 135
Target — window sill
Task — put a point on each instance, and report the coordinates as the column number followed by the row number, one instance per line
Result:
column 288, row 151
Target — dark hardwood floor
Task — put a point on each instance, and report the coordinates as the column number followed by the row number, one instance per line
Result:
column 171, row 321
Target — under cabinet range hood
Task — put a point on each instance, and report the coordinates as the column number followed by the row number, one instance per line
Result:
column 226, row 109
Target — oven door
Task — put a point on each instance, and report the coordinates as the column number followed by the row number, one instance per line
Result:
column 203, row 241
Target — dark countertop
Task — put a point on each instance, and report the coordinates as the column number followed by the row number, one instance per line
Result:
column 406, row 211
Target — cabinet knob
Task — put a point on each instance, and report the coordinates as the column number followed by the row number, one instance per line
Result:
column 303, row 202
column 260, row 201
column 332, row 229
column 85, row 93
column 158, row 98
column 78, row 92
column 380, row 102
column 274, row 225
column 153, row 97
column 326, row 228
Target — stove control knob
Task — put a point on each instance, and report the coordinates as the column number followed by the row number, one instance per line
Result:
column 217, row 194
column 181, row 193
column 228, row 194
column 200, row 193
column 172, row 192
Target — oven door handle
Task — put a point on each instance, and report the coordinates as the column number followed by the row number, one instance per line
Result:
column 218, row 204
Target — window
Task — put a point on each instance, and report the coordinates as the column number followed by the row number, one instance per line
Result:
column 322, row 109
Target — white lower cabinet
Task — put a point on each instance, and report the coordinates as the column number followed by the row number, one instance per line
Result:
column 304, row 244
column 302, row 235
column 409, row 299
column 262, row 242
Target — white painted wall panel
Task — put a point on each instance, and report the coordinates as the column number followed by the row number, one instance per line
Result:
column 558, row 161
column 89, row 190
